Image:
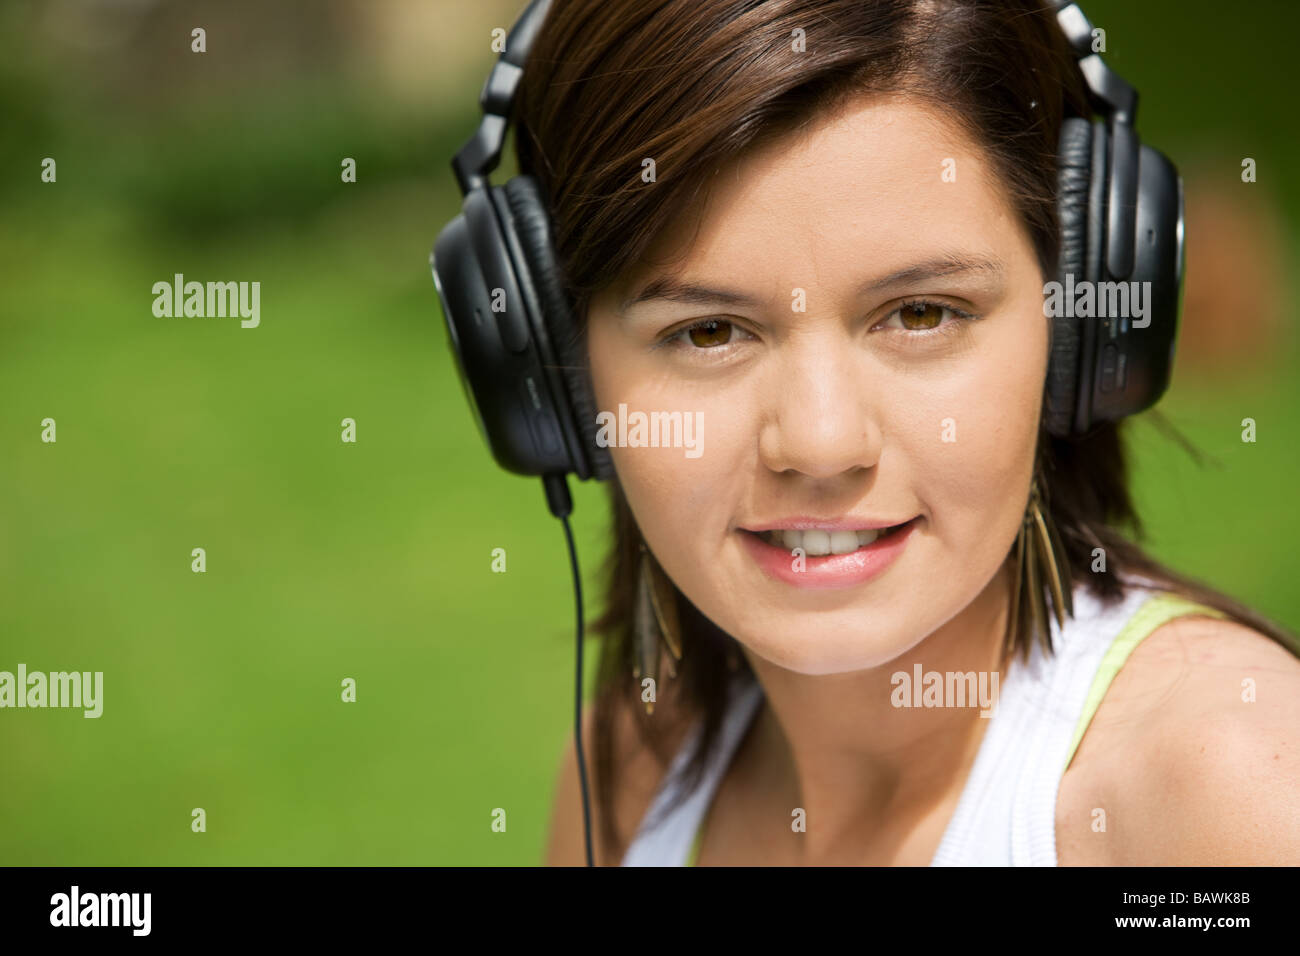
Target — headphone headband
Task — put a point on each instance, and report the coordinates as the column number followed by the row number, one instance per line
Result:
column 1112, row 95
column 481, row 154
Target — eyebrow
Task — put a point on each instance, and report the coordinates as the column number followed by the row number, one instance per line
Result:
column 692, row 293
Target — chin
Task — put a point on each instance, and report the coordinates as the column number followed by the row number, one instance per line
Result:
column 816, row 647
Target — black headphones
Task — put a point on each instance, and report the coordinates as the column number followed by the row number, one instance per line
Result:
column 516, row 342
column 521, row 360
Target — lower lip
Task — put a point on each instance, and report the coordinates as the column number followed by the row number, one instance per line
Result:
column 831, row 570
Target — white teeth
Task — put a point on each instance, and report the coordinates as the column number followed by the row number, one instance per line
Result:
column 842, row 542
column 816, row 542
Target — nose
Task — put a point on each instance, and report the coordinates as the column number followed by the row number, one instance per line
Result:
column 821, row 418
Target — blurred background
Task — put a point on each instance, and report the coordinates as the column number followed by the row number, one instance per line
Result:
column 371, row 560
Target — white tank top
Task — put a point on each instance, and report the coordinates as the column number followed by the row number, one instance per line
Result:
column 1006, row 815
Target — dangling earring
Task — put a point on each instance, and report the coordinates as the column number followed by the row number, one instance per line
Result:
column 655, row 622
column 1041, row 566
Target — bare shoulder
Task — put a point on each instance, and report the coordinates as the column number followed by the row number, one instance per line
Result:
column 1193, row 756
column 639, row 775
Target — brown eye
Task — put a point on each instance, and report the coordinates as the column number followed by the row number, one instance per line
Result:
column 710, row 333
column 921, row 315
column 926, row 318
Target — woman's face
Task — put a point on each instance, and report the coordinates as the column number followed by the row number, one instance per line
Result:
column 839, row 381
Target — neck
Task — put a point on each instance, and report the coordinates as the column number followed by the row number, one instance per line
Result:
column 860, row 765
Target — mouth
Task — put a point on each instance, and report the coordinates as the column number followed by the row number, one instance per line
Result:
column 812, row 557
column 819, row 542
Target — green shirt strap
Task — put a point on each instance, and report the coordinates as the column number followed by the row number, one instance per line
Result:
column 1158, row 609
column 695, row 846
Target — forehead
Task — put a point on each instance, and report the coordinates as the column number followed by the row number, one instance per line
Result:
column 882, row 182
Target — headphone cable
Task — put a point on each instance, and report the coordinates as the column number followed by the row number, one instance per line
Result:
column 561, row 505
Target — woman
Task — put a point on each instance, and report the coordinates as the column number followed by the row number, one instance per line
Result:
column 822, row 231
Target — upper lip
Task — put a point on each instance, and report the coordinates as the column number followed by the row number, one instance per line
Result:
column 805, row 523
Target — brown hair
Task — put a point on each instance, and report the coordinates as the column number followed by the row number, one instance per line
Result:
column 694, row 83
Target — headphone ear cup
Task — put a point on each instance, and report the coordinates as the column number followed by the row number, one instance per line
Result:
column 533, row 228
column 1074, row 183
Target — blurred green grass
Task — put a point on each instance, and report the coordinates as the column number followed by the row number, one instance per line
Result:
column 329, row 560
column 324, row 559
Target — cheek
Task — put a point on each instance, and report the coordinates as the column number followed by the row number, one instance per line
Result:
column 682, row 497
column 979, row 428
column 684, row 505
